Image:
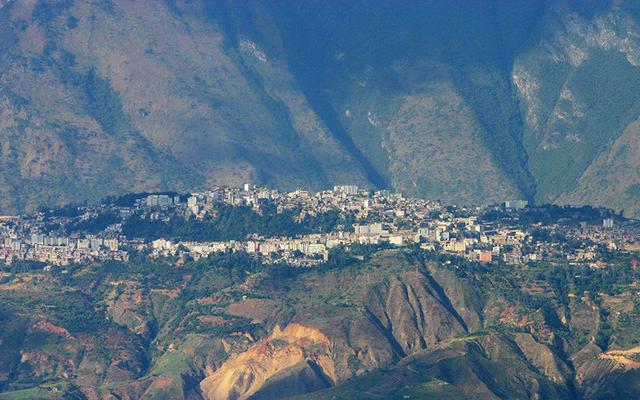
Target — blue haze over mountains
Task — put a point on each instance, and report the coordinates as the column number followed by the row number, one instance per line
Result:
column 466, row 101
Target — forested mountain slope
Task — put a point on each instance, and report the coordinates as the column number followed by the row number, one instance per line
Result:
column 467, row 102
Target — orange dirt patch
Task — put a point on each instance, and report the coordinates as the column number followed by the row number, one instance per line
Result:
column 46, row 326
column 621, row 357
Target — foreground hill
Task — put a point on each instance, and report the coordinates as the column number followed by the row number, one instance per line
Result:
column 395, row 324
column 467, row 102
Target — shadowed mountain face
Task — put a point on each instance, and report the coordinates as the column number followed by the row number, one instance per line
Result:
column 466, row 102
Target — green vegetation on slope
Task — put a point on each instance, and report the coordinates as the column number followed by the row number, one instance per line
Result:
column 116, row 327
column 235, row 223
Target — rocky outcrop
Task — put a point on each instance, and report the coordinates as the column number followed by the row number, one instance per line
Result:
column 293, row 361
column 413, row 313
column 482, row 367
column 579, row 131
column 543, row 359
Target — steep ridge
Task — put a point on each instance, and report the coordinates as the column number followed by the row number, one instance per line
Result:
column 398, row 98
column 579, row 88
column 468, row 102
column 469, row 369
column 614, row 177
column 170, row 106
column 296, row 358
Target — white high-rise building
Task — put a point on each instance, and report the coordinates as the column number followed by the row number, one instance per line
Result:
column 368, row 230
column 349, row 190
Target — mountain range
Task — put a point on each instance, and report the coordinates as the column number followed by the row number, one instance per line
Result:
column 467, row 102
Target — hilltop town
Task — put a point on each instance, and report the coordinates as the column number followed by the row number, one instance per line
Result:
column 309, row 226
column 202, row 292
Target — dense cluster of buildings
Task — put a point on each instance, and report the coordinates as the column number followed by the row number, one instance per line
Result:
column 60, row 250
column 377, row 217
